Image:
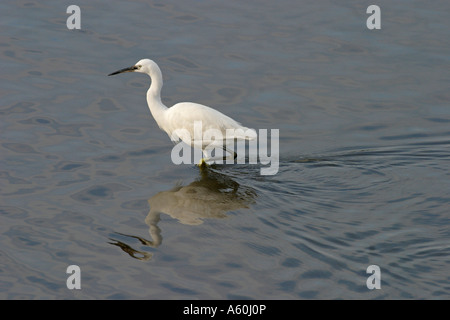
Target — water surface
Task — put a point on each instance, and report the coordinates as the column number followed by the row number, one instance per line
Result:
column 86, row 176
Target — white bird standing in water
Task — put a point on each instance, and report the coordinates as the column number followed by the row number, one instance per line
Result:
column 178, row 121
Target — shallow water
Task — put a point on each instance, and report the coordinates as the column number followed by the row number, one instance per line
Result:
column 86, row 176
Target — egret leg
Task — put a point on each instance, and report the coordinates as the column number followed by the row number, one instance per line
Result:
column 203, row 161
column 231, row 152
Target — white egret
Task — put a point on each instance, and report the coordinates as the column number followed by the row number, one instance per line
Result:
column 178, row 121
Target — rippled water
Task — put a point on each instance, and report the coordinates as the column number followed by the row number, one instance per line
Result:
column 86, row 176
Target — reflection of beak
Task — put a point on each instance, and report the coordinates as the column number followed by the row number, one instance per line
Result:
column 129, row 69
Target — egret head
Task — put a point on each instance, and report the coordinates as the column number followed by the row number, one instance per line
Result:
column 143, row 66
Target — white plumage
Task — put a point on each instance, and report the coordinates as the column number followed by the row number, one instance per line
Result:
column 181, row 120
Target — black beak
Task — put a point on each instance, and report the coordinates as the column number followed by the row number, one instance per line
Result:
column 129, row 69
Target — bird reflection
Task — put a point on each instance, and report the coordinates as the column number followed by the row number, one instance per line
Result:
column 210, row 196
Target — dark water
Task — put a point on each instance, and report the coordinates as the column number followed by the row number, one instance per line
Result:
column 86, row 176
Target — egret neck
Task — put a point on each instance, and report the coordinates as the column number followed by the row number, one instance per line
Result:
column 157, row 108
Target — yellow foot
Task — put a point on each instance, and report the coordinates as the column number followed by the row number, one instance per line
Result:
column 202, row 163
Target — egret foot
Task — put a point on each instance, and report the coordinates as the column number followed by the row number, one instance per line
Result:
column 202, row 163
